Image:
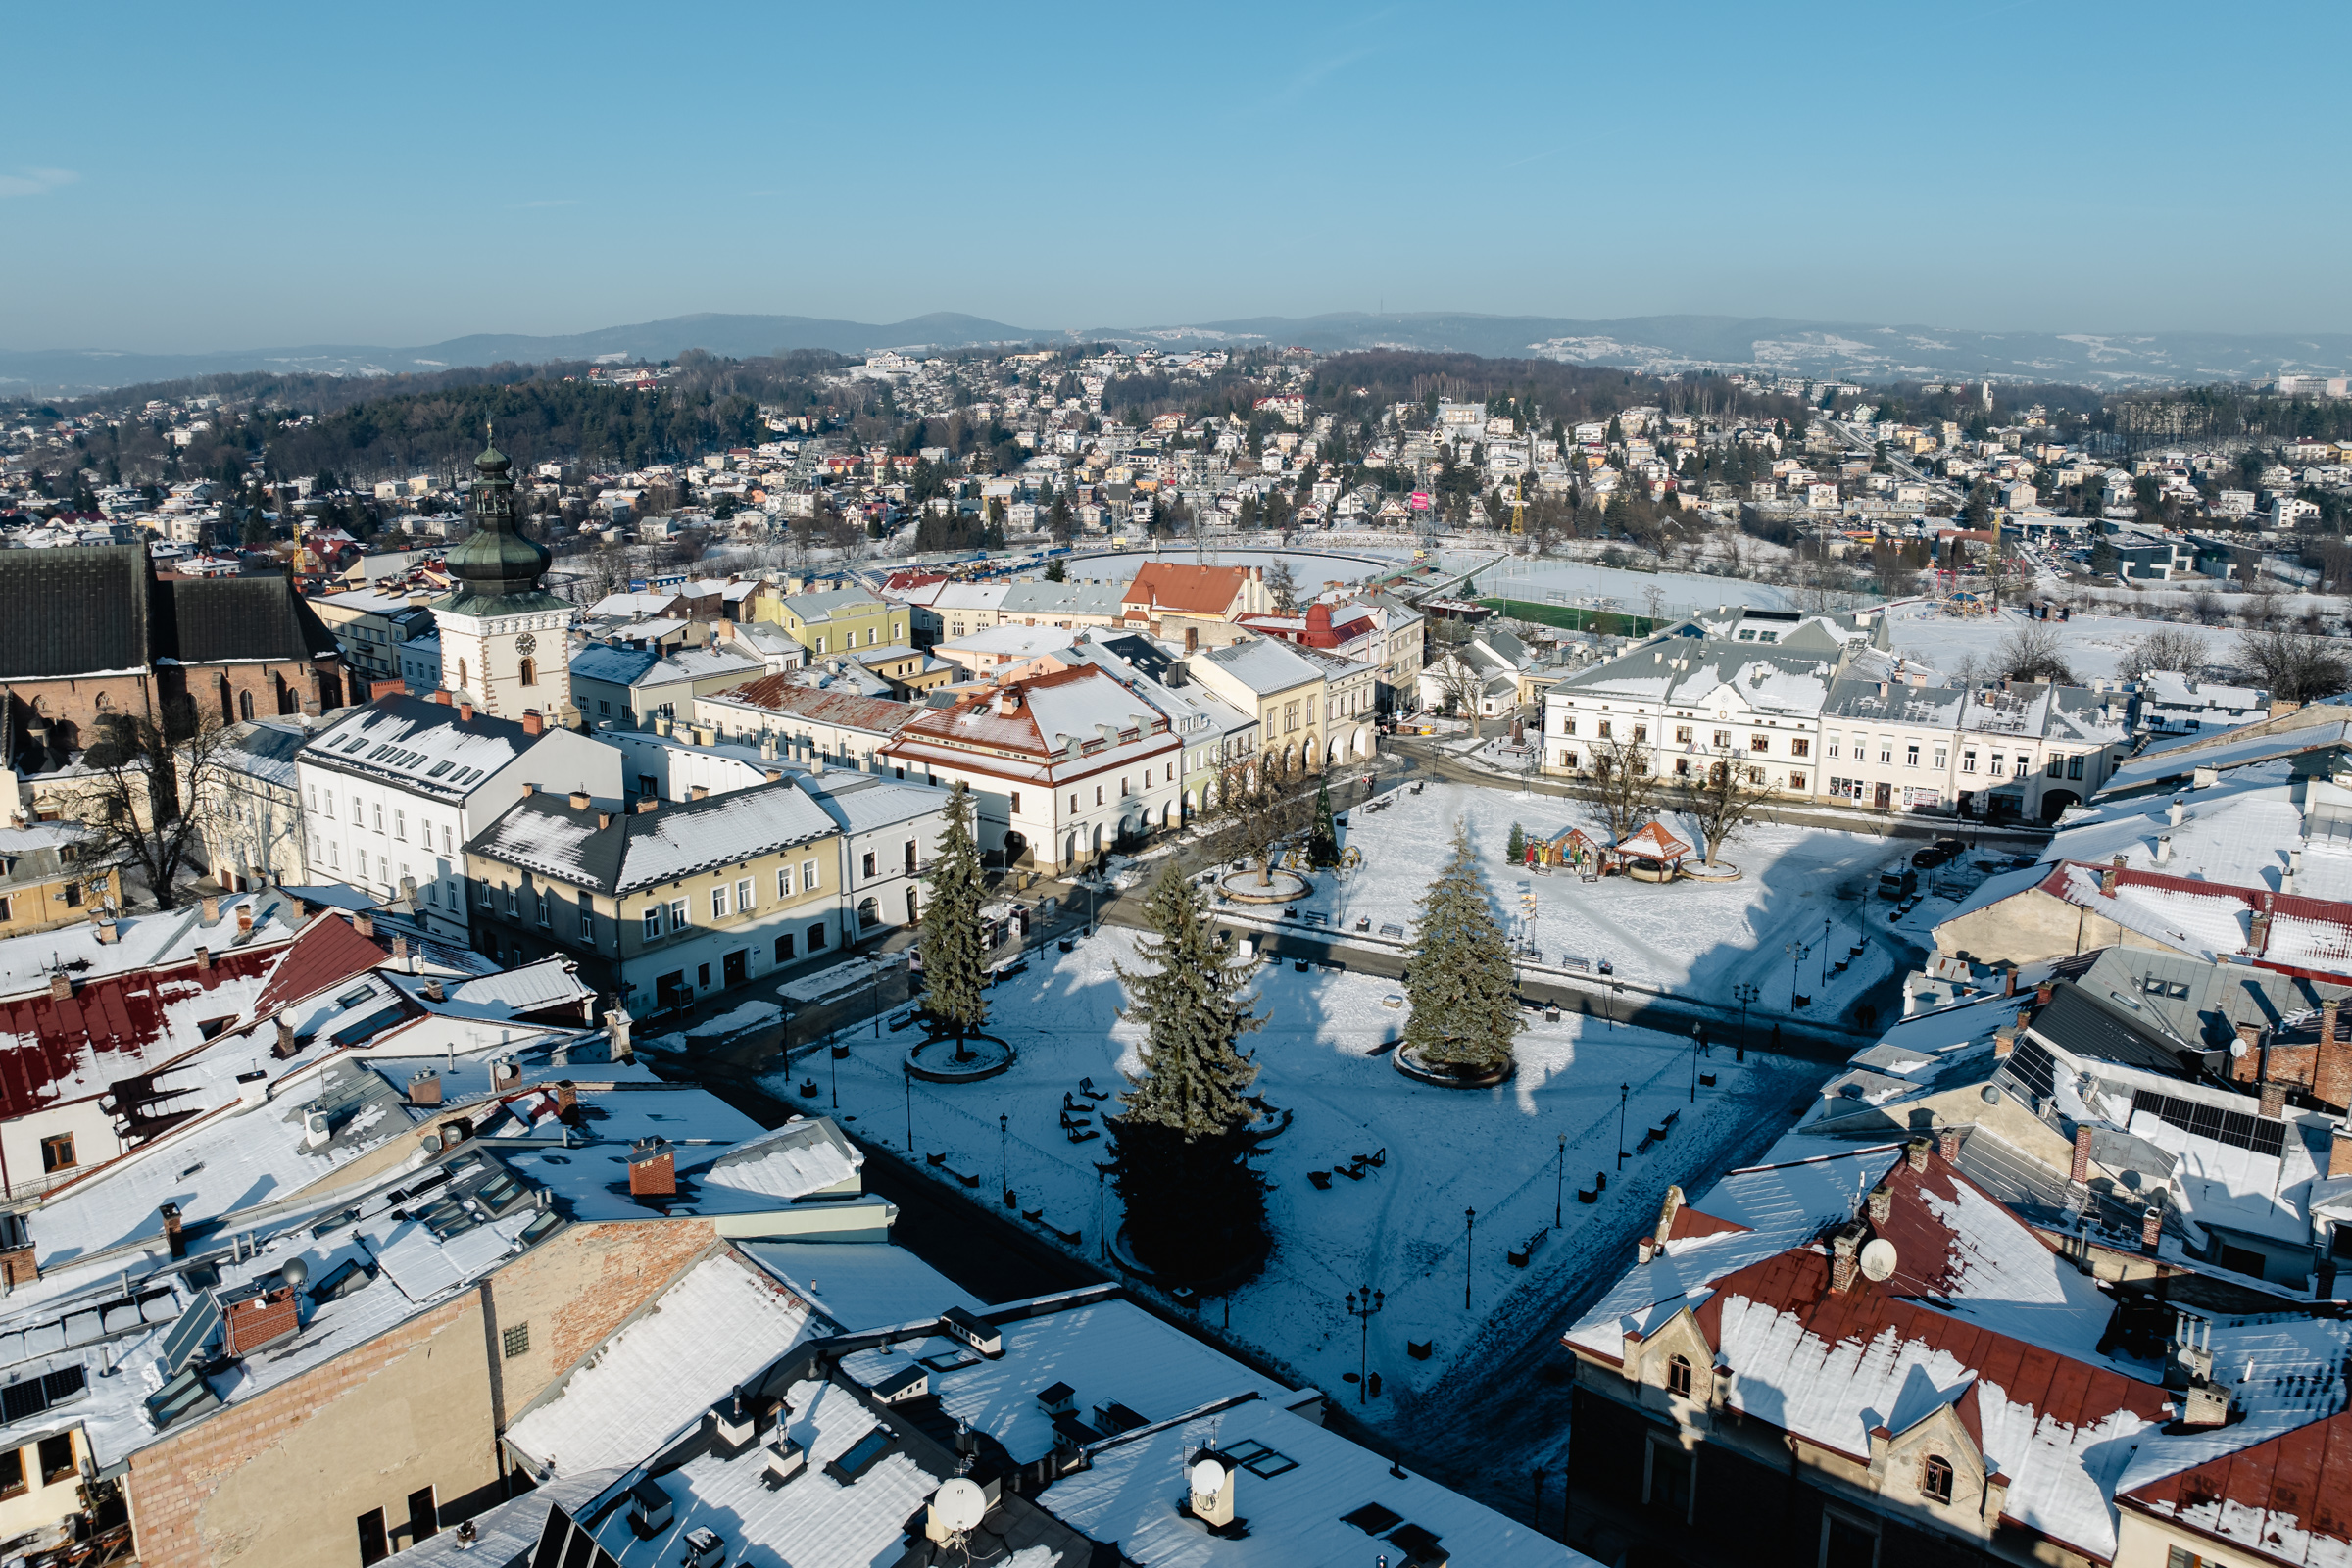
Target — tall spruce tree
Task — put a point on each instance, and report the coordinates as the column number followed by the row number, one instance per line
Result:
column 1323, row 842
column 954, row 962
column 1464, row 1016
column 1195, row 1209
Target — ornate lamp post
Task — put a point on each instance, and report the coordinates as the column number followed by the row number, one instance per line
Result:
column 1372, row 1301
column 1746, row 992
column 1623, row 1091
column 1469, row 1242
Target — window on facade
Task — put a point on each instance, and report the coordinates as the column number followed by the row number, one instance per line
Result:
column 1640, row 733
column 510, row 905
column 516, row 1340
column 1604, row 729
column 424, row 1519
column 1678, row 1375
column 1682, row 767
column 11, row 1472
column 652, row 922
column 1935, row 1479
column 379, row 818
column 1796, row 781
column 2074, row 767
column 1568, row 727
column 1799, row 746
column 743, row 896
column 784, row 946
column 1847, row 1541
column 1756, row 775
column 1073, row 802
column 1968, row 761
column 677, row 915
column 718, row 901
column 808, row 876
column 57, row 1153
column 816, row 936
column 1670, row 1480
column 2025, row 765
column 529, row 672
column 1886, row 753
column 446, row 840
column 543, row 919
column 1097, row 795
column 244, row 705
column 784, row 882
column 400, row 826
column 1910, row 757
column 1836, row 747
column 374, row 1544
column 867, row 865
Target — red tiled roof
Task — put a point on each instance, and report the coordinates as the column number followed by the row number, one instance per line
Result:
column 1688, row 1221
column 327, row 950
column 2288, row 1500
column 778, row 693
column 1186, row 589
column 54, row 1049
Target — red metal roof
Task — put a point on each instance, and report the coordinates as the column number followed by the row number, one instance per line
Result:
column 327, row 949
column 54, row 1049
column 2288, row 1500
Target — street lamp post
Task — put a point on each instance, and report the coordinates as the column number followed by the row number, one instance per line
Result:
column 1795, row 952
column 1623, row 1091
column 910, row 1077
column 1469, row 1255
column 1101, row 1226
column 1746, row 992
column 1372, row 1301
column 1559, row 1190
column 1698, row 1041
column 1005, row 1155
column 1825, row 953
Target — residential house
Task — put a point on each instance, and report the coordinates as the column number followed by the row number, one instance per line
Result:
column 661, row 903
column 2008, row 749
column 48, row 878
column 1065, row 767
column 392, row 792
column 1479, row 674
column 1214, row 732
column 1199, row 604
column 1278, row 684
column 637, row 685
column 250, row 815
column 841, row 729
column 836, row 620
column 374, row 628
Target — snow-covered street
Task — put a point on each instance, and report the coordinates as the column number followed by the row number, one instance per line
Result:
column 1399, row 1225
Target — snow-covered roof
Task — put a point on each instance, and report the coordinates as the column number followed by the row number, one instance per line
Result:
column 2312, row 729
column 862, row 1286
column 622, row 853
column 426, row 747
column 1296, row 1484
column 721, row 1323
column 1262, row 665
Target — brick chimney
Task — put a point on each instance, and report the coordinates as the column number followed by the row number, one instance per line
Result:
column 534, row 723
column 364, row 923
column 244, row 919
column 173, row 1237
column 210, row 906
column 17, row 1266
column 424, row 1088
column 1948, row 1144
column 1844, row 1268
column 2274, row 1100
column 567, row 1097
column 2081, row 1170
column 1881, row 1203
column 653, row 1170
column 2246, row 1066
column 379, row 690
column 441, row 697
column 530, row 790
column 2042, row 994
column 580, row 800
column 1915, row 1152
column 2009, row 981
column 2151, row 1227
column 2339, row 1152
column 260, row 1320
column 699, row 792
column 647, row 805
column 399, row 952
column 287, row 1045
column 2004, row 1041
column 465, row 711
column 204, row 958
column 108, row 930
column 2258, row 935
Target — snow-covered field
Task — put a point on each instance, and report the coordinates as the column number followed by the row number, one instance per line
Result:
column 1697, row 938
column 1399, row 1228
column 2090, row 644
column 1311, row 570
column 1593, row 586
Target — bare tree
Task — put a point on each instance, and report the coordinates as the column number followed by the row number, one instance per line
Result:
column 1258, row 806
column 1722, row 798
column 2168, row 648
column 150, row 793
column 2032, row 652
column 1625, row 791
column 2296, row 668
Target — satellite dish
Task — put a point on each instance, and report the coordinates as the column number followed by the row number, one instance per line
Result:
column 1209, row 1477
column 295, row 1272
column 961, row 1504
column 1991, row 1094
column 1878, row 1259
column 2238, row 1046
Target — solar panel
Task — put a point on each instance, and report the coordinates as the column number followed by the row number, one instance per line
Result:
column 2195, row 1117
column 190, row 1334
column 2030, row 1065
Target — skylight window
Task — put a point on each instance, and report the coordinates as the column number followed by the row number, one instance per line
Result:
column 440, row 768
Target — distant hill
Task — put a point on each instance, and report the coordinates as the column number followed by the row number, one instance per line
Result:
column 1853, row 350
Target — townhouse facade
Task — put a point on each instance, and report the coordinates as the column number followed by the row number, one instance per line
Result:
column 1279, row 686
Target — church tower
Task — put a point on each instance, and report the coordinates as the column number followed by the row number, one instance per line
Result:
column 506, row 641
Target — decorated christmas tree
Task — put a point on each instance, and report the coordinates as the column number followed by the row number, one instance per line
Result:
column 1464, row 1014
column 955, row 964
column 1515, row 849
column 1323, row 840
column 1195, row 1209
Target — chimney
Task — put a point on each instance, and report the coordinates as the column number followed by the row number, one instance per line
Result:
column 400, row 953
column 1915, row 1150
column 1212, row 1508
column 2009, row 981
column 204, row 958
column 287, row 1045
column 260, row 1320
column 2274, row 1100
column 424, row 1088
column 647, row 805
column 2178, row 813
column 699, row 792
column 379, row 690
column 2081, row 1172
column 2004, row 1041
column 504, row 1073
column 109, row 931
column 580, row 800
column 1009, row 702
column 1646, row 1247
column 465, row 711
column 60, row 985
column 1881, row 1203
column 774, row 774
column 2164, row 849
column 17, row 1266
column 2151, row 1227
column 2107, row 883
column 2331, row 1070
column 616, row 1026
column 1948, row 1144
column 441, row 697
column 2258, row 934
column 653, row 1170
column 2339, row 1152
column 1844, row 1268
column 530, row 790
column 567, row 1097
column 244, row 919
column 173, row 1237
column 212, row 909
column 532, row 723
column 364, row 923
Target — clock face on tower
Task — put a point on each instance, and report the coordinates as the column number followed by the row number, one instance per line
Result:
column 526, row 644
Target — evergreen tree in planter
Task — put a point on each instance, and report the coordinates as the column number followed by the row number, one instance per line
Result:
column 1195, row 1209
column 1464, row 1016
column 955, row 964
column 1323, row 842
column 1515, row 850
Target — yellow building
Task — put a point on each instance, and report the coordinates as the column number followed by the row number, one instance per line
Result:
column 664, row 903
column 43, row 884
column 838, row 621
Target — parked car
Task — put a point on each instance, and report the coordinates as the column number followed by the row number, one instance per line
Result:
column 1929, row 859
column 1898, row 882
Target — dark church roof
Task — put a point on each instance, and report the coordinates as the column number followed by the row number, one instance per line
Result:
column 78, row 610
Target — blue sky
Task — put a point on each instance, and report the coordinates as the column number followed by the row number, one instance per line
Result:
column 198, row 177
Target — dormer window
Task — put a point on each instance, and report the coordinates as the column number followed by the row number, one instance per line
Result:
column 1935, row 1479
column 1677, row 1381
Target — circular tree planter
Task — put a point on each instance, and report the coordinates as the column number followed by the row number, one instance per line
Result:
column 934, row 1060
column 1407, row 1060
column 1123, row 1259
column 1243, row 887
column 1720, row 871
